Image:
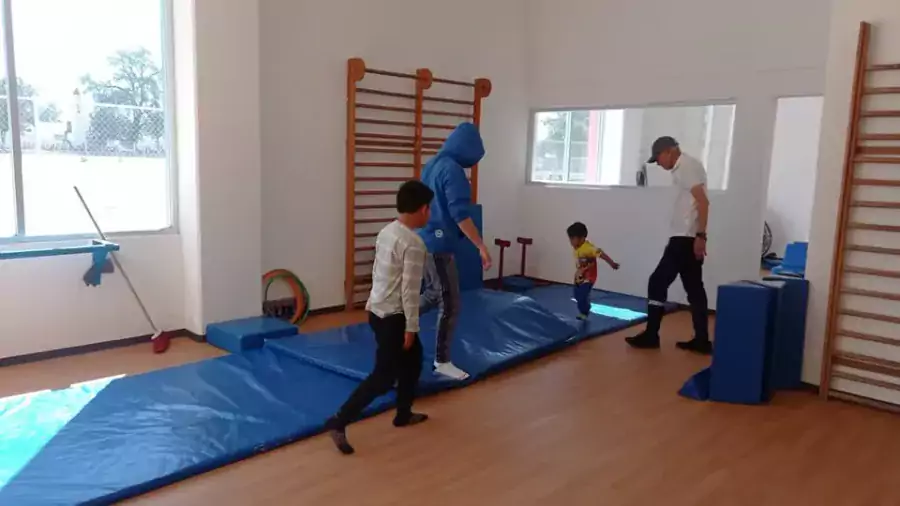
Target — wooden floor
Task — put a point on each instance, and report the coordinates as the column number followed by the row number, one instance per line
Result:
column 598, row 424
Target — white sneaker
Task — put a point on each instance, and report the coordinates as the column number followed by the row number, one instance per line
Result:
column 451, row 371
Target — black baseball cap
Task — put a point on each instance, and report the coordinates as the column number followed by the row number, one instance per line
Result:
column 660, row 146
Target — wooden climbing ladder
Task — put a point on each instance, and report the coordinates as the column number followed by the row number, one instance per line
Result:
column 395, row 123
column 861, row 361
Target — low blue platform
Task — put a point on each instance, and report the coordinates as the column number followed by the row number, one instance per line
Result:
column 237, row 336
column 112, row 439
column 499, row 330
column 794, row 263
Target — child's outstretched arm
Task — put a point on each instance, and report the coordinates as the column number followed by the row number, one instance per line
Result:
column 612, row 263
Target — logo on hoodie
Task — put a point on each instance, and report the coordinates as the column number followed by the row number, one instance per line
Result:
column 439, row 233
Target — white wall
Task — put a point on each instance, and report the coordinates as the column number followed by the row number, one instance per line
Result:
column 229, row 163
column 712, row 51
column 885, row 48
column 792, row 173
column 185, row 99
column 46, row 306
column 304, row 49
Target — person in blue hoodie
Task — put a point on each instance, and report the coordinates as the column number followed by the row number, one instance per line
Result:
column 449, row 224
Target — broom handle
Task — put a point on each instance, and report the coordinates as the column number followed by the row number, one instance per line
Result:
column 116, row 262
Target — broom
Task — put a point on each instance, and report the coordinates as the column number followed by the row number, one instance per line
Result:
column 160, row 339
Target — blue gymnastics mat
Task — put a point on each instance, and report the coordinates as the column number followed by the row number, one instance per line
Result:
column 107, row 440
column 110, row 439
column 498, row 330
column 610, row 311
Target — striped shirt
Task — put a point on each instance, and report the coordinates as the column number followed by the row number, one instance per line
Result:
column 397, row 274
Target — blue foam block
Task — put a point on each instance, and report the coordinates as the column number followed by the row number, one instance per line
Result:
column 610, row 311
column 496, row 331
column 468, row 261
column 789, row 333
column 237, row 336
column 744, row 322
column 697, row 386
column 794, row 263
column 105, row 441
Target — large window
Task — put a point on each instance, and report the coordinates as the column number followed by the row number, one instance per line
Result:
column 610, row 147
column 83, row 102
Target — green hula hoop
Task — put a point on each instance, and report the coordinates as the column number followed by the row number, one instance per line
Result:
column 301, row 295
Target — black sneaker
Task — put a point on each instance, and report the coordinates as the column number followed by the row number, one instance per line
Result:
column 701, row 346
column 644, row 341
column 339, row 438
column 410, row 420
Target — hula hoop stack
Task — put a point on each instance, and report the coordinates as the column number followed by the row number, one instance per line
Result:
column 301, row 296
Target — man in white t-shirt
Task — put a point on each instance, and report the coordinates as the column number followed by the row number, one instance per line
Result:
column 685, row 251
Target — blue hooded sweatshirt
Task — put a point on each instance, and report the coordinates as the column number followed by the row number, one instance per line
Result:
column 445, row 175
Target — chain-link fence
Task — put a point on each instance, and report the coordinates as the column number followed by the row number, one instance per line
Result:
column 94, row 129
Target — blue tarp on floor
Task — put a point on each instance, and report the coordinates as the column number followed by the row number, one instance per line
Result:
column 115, row 438
column 109, row 440
column 498, row 330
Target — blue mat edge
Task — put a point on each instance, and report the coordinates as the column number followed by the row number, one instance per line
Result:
column 213, row 464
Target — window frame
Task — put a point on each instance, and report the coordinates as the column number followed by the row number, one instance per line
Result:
column 167, row 36
column 567, row 159
column 532, row 128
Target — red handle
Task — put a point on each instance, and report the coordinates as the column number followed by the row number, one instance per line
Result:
column 525, row 242
column 503, row 245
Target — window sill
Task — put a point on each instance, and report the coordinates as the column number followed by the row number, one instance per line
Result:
column 69, row 240
column 581, row 186
column 584, row 186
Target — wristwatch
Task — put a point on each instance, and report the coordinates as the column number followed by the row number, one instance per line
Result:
column 701, row 235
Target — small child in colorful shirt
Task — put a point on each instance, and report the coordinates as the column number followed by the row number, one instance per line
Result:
column 586, row 255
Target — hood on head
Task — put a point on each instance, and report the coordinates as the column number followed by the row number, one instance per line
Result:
column 464, row 145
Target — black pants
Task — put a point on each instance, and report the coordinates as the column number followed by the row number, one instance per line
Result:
column 393, row 364
column 442, row 290
column 679, row 260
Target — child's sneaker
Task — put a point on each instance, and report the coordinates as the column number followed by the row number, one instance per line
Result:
column 451, row 371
